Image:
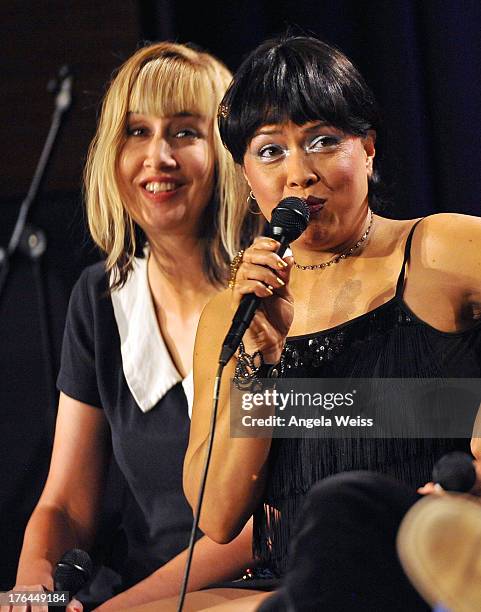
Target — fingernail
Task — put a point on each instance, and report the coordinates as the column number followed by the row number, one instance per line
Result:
column 270, row 289
column 280, row 281
column 282, row 264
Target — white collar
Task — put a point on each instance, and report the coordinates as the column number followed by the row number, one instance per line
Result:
column 146, row 361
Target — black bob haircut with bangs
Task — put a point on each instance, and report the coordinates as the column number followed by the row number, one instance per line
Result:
column 299, row 79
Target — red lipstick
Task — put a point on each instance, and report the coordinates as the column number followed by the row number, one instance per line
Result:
column 314, row 204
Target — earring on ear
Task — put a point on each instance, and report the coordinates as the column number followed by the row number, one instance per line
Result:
column 369, row 166
column 251, row 198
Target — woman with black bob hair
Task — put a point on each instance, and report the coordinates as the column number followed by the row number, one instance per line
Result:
column 361, row 296
column 317, row 82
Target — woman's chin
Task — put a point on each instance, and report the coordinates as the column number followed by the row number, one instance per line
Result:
column 313, row 238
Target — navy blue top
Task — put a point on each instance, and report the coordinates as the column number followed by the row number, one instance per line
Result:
column 149, row 447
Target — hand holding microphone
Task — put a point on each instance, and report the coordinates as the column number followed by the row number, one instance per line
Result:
column 261, row 294
column 455, row 471
column 71, row 573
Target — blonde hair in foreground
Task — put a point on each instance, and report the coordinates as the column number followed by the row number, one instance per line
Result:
column 163, row 79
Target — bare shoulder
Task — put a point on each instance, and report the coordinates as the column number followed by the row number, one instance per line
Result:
column 449, row 244
column 449, row 237
column 446, row 226
column 435, row 230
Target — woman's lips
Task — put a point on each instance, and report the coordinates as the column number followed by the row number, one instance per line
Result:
column 158, row 197
column 314, row 204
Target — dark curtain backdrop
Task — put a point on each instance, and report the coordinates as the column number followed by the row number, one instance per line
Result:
column 422, row 58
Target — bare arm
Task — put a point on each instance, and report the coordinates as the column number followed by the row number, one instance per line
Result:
column 447, row 249
column 476, row 438
column 454, row 247
column 211, row 563
column 65, row 516
column 238, row 465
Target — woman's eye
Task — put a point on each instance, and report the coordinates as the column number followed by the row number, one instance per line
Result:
column 135, row 131
column 186, row 133
column 270, row 152
column 322, row 142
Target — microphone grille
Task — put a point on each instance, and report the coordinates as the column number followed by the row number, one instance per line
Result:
column 455, row 472
column 292, row 215
column 73, row 570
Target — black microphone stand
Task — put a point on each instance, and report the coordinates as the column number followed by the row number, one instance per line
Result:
column 31, row 240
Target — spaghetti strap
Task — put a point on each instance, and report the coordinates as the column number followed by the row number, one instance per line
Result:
column 407, row 251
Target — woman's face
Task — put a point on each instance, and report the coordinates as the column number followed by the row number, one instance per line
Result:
column 319, row 163
column 166, row 172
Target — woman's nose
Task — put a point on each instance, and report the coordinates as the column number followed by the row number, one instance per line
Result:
column 159, row 154
column 300, row 171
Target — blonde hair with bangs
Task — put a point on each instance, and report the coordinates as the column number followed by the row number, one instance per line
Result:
column 164, row 79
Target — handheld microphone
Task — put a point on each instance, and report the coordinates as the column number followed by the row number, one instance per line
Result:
column 289, row 219
column 455, row 472
column 72, row 571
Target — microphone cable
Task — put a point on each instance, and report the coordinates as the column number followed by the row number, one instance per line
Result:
column 195, row 522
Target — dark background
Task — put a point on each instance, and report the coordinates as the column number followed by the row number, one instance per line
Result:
column 422, row 58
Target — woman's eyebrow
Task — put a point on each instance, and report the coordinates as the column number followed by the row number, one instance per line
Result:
column 187, row 114
column 316, row 126
column 267, row 131
column 179, row 114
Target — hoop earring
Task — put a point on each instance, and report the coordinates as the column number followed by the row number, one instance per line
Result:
column 251, row 198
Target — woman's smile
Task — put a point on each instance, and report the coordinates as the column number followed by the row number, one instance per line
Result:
column 161, row 189
column 166, row 171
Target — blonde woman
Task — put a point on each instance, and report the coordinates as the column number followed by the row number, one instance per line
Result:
column 157, row 184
